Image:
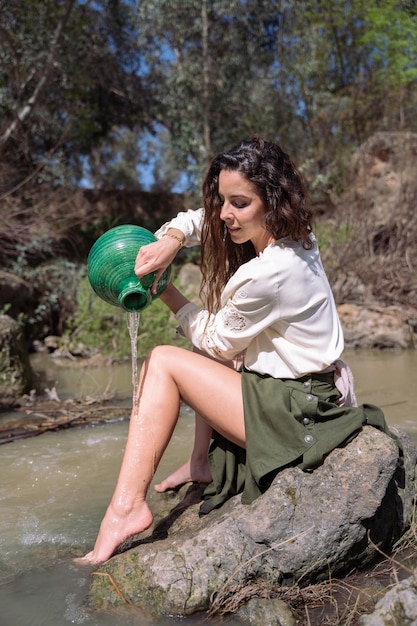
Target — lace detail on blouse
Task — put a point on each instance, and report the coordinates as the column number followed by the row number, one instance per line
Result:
column 211, row 343
column 232, row 319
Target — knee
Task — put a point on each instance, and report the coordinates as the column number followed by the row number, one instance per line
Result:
column 161, row 356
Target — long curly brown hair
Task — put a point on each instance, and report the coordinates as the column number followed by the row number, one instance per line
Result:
column 287, row 212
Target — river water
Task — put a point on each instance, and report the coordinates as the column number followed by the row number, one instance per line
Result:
column 54, row 488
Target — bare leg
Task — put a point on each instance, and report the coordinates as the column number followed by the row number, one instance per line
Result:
column 168, row 375
column 196, row 468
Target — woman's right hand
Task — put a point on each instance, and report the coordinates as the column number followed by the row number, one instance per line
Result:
column 156, row 256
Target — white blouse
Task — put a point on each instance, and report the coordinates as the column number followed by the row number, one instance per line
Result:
column 277, row 308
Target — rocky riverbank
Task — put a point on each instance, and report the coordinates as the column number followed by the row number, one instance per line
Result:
column 306, row 529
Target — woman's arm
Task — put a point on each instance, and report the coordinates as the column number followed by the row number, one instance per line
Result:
column 250, row 304
column 173, row 298
column 182, row 230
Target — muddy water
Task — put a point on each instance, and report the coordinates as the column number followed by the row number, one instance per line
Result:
column 54, row 488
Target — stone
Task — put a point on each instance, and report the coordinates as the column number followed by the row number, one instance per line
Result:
column 398, row 606
column 260, row 612
column 308, row 526
column 15, row 369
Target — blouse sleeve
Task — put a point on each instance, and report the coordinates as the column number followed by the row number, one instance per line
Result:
column 249, row 305
column 188, row 222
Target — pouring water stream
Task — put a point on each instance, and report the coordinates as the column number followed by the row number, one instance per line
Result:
column 133, row 319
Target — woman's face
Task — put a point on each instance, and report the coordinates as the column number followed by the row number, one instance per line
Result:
column 243, row 210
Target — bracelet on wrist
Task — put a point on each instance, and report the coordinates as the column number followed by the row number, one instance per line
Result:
column 179, row 239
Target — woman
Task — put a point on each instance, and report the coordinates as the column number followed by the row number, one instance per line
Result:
column 267, row 297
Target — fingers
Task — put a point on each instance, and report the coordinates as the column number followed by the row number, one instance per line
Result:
column 157, row 277
column 155, row 257
column 145, row 261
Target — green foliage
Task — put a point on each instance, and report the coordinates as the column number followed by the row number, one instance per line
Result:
column 300, row 72
column 104, row 328
column 68, row 75
column 332, row 235
column 102, row 89
column 211, row 80
column 334, row 240
column 158, row 326
column 54, row 288
column 5, row 308
column 392, row 34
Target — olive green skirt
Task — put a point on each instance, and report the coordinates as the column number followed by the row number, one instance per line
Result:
column 288, row 423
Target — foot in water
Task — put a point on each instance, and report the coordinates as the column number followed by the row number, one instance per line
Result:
column 187, row 473
column 115, row 529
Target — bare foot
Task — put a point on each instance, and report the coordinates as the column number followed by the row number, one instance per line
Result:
column 116, row 528
column 187, row 473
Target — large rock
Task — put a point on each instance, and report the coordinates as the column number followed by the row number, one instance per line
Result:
column 306, row 526
column 16, row 294
column 15, row 370
column 376, row 326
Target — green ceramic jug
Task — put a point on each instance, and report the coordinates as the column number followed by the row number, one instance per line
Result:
column 110, row 268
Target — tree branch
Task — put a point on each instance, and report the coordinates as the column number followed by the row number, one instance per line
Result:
column 32, row 101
